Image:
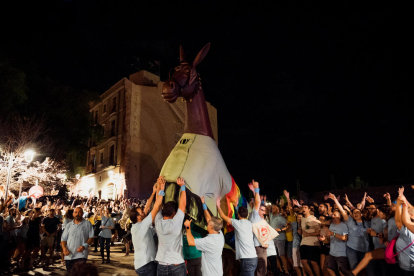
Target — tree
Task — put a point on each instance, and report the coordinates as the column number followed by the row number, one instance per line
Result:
column 18, row 135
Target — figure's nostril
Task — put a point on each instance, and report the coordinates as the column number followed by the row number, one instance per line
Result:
column 172, row 85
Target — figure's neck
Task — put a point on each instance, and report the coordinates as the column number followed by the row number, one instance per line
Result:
column 197, row 120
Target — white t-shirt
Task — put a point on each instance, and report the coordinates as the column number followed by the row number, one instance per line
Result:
column 170, row 238
column 143, row 240
column 311, row 240
column 244, row 239
column 212, row 248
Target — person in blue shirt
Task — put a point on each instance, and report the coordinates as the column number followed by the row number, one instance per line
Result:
column 107, row 224
column 404, row 218
column 338, row 235
column 76, row 238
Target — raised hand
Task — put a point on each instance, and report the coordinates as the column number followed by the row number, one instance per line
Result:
column 387, row 196
column 286, row 193
column 369, row 199
column 282, row 202
column 296, row 202
column 401, row 191
column 218, row 201
column 202, row 200
column 332, row 196
column 325, row 197
column 180, row 181
column 346, row 198
column 187, row 223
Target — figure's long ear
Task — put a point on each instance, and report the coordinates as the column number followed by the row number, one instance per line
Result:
column 201, row 55
column 182, row 54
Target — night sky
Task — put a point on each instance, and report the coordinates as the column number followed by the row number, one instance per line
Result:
column 303, row 92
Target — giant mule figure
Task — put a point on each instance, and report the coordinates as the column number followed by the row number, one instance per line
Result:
column 196, row 157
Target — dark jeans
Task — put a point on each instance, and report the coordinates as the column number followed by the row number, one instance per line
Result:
column 248, row 266
column 95, row 243
column 108, row 246
column 149, row 269
column 171, row 270
column 273, row 264
column 70, row 264
column 194, row 267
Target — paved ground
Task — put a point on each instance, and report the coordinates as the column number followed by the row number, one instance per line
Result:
column 120, row 264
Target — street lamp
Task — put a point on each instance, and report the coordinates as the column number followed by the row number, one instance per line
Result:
column 28, row 156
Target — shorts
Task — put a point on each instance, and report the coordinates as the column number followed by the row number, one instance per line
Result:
column 296, row 257
column 308, row 252
column 325, row 248
column 32, row 242
column 336, row 263
column 47, row 241
column 280, row 247
column 288, row 247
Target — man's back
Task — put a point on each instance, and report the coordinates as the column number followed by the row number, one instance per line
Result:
column 170, row 247
column 144, row 245
column 244, row 239
column 211, row 247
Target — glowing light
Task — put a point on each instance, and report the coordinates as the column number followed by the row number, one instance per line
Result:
column 28, row 155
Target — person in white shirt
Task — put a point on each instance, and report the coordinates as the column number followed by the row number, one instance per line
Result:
column 142, row 236
column 309, row 247
column 168, row 224
column 211, row 246
column 245, row 250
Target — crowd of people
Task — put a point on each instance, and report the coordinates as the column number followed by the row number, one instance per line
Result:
column 325, row 238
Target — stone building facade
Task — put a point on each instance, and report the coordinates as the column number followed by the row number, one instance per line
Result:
column 140, row 131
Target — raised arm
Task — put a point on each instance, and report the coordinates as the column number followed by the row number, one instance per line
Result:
column 222, row 215
column 254, row 187
column 363, row 200
column 341, row 210
column 206, row 212
column 406, row 219
column 190, row 237
column 158, row 201
column 398, row 211
column 151, row 198
column 183, row 195
column 349, row 202
column 388, row 198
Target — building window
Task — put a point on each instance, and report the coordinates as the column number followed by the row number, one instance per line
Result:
column 100, row 178
column 112, row 156
column 112, row 128
column 104, row 108
column 102, row 159
column 99, row 194
column 113, row 105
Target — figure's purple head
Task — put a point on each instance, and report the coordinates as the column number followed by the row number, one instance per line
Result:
column 183, row 80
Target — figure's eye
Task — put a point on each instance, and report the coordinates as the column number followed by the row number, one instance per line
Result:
column 178, row 68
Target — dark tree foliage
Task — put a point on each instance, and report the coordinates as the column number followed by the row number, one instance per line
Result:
column 28, row 92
